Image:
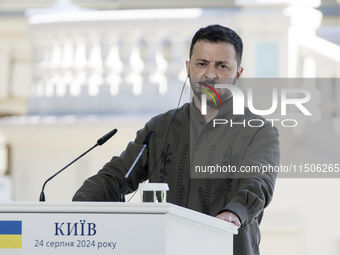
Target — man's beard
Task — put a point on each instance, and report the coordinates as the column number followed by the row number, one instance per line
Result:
column 224, row 94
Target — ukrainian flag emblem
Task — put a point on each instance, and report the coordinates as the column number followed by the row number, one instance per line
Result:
column 10, row 234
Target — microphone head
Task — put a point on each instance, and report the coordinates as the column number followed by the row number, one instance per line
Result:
column 106, row 137
column 148, row 138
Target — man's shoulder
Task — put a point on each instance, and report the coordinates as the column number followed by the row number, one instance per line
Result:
column 168, row 116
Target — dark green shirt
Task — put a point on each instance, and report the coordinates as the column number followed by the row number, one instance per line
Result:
column 182, row 143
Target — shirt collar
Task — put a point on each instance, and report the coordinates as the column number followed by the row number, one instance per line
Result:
column 225, row 110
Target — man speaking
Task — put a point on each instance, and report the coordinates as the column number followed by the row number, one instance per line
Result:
column 185, row 140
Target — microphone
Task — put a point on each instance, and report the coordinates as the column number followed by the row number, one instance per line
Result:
column 146, row 142
column 100, row 141
column 148, row 138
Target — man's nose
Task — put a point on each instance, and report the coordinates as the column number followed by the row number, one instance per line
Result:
column 211, row 72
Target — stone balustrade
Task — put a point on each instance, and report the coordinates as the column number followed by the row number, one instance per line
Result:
column 133, row 61
column 89, row 62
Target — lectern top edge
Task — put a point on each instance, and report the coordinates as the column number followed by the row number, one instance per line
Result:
column 117, row 208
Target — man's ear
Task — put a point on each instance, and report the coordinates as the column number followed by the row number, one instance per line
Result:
column 239, row 72
column 187, row 65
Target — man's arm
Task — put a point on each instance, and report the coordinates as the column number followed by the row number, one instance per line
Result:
column 253, row 191
column 106, row 185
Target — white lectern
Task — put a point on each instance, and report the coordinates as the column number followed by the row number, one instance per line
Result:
column 110, row 228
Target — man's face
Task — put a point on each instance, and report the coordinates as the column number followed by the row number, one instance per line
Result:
column 213, row 63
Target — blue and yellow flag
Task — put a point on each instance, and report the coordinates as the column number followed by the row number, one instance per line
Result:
column 10, row 234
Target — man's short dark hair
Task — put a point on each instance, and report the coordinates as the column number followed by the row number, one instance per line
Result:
column 218, row 33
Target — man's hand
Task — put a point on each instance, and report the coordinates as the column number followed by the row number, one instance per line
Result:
column 230, row 217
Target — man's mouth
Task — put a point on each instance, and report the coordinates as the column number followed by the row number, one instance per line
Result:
column 212, row 89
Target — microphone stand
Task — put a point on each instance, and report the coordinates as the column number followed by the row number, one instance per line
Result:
column 145, row 144
column 101, row 141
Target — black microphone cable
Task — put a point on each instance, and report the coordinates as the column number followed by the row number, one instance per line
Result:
column 167, row 134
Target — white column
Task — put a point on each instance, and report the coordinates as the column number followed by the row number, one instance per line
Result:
column 133, row 64
column 279, row 24
column 5, row 181
column 155, row 63
column 5, row 60
column 112, row 63
column 94, row 64
column 79, row 64
column 179, row 52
